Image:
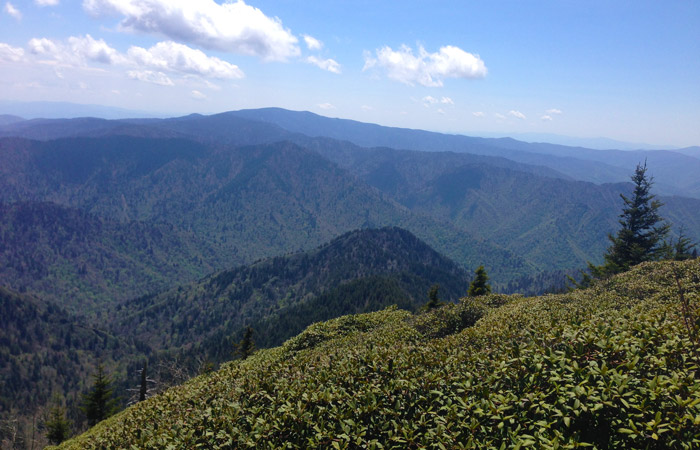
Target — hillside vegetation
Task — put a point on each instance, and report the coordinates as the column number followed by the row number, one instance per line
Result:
column 613, row 366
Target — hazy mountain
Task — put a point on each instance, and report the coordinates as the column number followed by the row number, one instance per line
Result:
column 675, row 173
column 360, row 271
column 7, row 119
column 65, row 110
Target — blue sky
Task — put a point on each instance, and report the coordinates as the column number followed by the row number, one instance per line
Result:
column 628, row 70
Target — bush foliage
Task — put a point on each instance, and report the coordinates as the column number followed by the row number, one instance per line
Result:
column 613, row 366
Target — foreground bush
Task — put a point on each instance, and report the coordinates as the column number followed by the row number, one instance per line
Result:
column 614, row 366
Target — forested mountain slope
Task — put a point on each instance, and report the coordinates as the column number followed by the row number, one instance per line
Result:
column 282, row 295
column 613, row 366
column 85, row 261
column 45, row 351
column 241, row 203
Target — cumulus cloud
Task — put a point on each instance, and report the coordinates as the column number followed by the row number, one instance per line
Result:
column 10, row 54
column 447, row 101
column 547, row 118
column 428, row 100
column 97, row 50
column 46, row 2
column 326, row 106
column 42, row 46
column 516, row 114
column 499, row 116
column 231, row 27
column 171, row 56
column 150, row 76
column 325, row 64
column 312, row 43
column 426, row 69
column 12, row 11
column 148, row 63
column 478, row 114
column 553, row 111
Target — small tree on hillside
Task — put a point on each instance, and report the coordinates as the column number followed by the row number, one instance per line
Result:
column 57, row 425
column 246, row 346
column 479, row 286
column 684, row 248
column 641, row 236
column 433, row 298
column 99, row 404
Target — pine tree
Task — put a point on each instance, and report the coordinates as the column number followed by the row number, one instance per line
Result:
column 57, row 425
column 641, row 237
column 246, row 347
column 684, row 248
column 480, row 284
column 99, row 404
column 433, row 298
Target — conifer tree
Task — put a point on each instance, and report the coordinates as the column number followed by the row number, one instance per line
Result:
column 57, row 425
column 99, row 404
column 684, row 248
column 479, row 286
column 642, row 232
column 433, row 298
column 246, row 347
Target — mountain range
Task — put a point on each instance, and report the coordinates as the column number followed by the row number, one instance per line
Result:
column 163, row 239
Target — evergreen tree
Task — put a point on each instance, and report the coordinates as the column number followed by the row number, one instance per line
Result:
column 480, row 284
column 684, row 248
column 57, row 425
column 246, row 347
column 641, row 237
column 99, row 404
column 433, row 298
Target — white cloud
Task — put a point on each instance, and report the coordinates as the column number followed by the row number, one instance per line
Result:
column 87, row 48
column 499, row 116
column 12, row 11
column 326, row 106
column 427, row 69
column 10, row 54
column 312, row 43
column 230, row 27
column 150, row 77
column 325, row 64
column 77, row 51
column 516, row 114
column 367, row 108
column 547, row 118
column 46, row 2
column 429, row 100
column 478, row 114
column 441, row 111
column 161, row 58
column 553, row 111
column 195, row 94
column 174, row 57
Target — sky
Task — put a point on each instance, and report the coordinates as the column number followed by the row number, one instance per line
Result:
column 626, row 70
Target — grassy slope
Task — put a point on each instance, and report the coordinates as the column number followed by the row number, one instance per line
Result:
column 612, row 366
